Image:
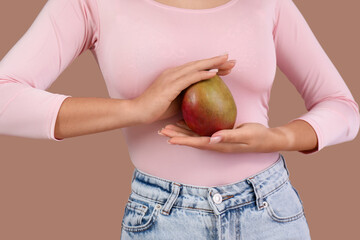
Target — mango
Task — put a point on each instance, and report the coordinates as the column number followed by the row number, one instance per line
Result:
column 208, row 106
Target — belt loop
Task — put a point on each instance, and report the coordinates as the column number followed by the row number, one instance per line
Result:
column 133, row 175
column 175, row 189
column 259, row 197
column 283, row 160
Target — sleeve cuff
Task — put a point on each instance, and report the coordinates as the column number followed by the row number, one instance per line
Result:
column 53, row 116
column 317, row 130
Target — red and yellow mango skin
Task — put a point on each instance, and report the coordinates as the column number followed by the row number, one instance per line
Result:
column 208, row 106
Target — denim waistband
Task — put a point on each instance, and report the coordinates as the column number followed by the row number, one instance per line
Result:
column 215, row 199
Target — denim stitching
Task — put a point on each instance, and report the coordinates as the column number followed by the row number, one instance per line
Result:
column 153, row 217
column 207, row 210
column 235, row 206
column 143, row 208
column 238, row 206
column 227, row 197
column 272, row 191
column 284, row 219
column 147, row 198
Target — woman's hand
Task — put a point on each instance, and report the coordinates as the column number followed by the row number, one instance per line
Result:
column 247, row 137
column 161, row 99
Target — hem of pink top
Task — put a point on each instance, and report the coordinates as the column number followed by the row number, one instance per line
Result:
column 317, row 130
column 54, row 113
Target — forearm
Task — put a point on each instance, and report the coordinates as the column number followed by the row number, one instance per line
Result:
column 297, row 135
column 81, row 116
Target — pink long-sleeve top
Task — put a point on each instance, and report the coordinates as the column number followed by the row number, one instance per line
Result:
column 134, row 41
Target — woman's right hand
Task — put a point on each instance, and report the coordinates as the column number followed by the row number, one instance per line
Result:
column 161, row 98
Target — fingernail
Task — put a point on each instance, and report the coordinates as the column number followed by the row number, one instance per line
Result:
column 224, row 54
column 168, row 141
column 215, row 139
column 232, row 61
column 159, row 132
column 214, row 70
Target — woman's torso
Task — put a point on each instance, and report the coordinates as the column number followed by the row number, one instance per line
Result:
column 140, row 39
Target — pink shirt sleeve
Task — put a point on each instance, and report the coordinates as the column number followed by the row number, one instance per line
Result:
column 332, row 111
column 61, row 32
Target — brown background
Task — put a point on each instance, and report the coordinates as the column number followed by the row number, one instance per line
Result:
column 77, row 189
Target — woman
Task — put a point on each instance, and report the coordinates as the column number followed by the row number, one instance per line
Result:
column 232, row 185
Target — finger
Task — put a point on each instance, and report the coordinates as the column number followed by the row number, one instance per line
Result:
column 224, row 72
column 202, row 143
column 218, row 59
column 194, row 77
column 190, row 141
column 228, row 65
column 226, row 68
column 199, row 65
column 172, row 133
column 181, row 130
column 231, row 136
column 204, row 64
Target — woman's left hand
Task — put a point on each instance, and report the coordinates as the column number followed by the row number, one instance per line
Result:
column 247, row 137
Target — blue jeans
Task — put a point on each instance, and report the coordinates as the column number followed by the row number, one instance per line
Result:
column 264, row 206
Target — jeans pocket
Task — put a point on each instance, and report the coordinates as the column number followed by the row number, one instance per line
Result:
column 284, row 205
column 139, row 215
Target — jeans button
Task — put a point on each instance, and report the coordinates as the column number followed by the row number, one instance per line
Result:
column 217, row 198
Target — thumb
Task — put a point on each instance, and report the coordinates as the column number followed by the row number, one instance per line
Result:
column 226, row 135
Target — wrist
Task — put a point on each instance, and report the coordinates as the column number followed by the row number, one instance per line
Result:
column 283, row 139
column 141, row 110
column 131, row 110
column 297, row 135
